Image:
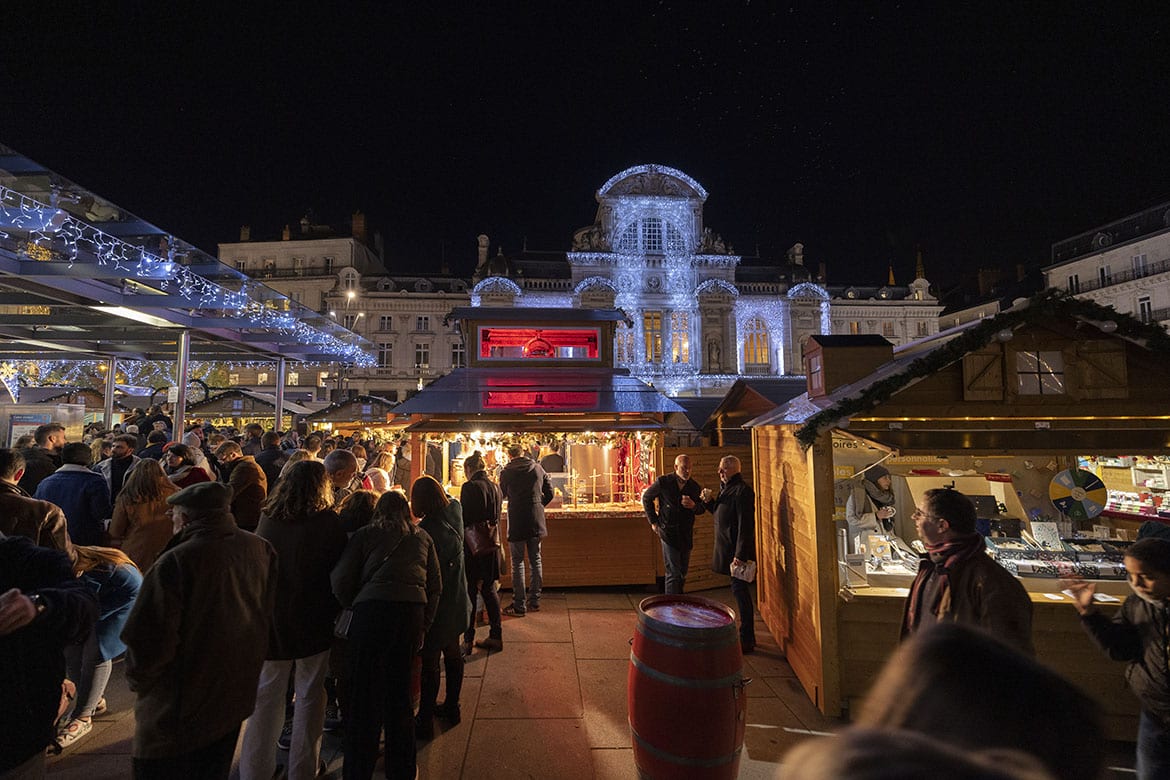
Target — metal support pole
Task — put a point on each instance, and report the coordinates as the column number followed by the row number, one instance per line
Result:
column 180, row 414
column 281, row 368
column 111, row 370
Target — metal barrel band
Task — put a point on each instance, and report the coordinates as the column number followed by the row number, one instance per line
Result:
column 675, row 639
column 683, row 760
column 729, row 681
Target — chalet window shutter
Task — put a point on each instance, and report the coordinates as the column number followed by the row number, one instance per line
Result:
column 983, row 375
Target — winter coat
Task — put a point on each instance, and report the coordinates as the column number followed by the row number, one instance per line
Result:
column 249, row 489
column 34, row 662
column 143, row 526
column 198, row 635
column 481, row 500
column 674, row 522
column 528, row 490
column 39, row 462
column 454, row 613
column 1137, row 634
column 381, row 565
column 307, row 549
column 272, row 460
column 735, row 524
column 982, row 593
column 41, row 521
column 105, row 467
column 84, row 497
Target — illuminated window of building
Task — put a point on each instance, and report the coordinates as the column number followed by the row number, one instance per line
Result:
column 458, row 355
column 623, row 344
column 680, row 337
column 385, row 354
column 294, row 378
column 755, row 342
column 674, row 239
column 262, row 378
column 854, row 327
column 1040, row 372
column 652, row 235
column 629, row 240
column 887, row 329
column 233, row 379
column 237, row 405
column 321, row 378
column 652, row 332
column 422, row 355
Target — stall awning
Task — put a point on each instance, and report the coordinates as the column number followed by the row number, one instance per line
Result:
column 551, row 424
column 535, row 391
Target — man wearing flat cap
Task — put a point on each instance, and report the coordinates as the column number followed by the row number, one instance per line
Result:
column 870, row 506
column 197, row 637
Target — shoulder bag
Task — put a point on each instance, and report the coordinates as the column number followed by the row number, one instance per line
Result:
column 345, row 618
column 479, row 540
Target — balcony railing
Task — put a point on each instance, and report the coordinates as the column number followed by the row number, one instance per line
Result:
column 1089, row 285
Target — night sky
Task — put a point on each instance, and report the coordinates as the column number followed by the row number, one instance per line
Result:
column 982, row 132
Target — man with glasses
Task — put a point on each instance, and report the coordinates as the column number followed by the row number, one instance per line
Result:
column 957, row 581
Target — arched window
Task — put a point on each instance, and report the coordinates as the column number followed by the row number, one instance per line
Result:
column 755, row 344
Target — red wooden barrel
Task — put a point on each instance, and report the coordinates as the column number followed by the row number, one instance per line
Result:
column 687, row 706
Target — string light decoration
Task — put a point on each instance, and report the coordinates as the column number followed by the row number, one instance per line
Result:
column 54, row 235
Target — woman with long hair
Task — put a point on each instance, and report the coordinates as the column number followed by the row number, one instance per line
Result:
column 481, row 499
column 357, row 509
column 383, row 460
column 142, row 524
column 115, row 579
column 182, row 466
column 442, row 518
column 389, row 575
column 299, row 522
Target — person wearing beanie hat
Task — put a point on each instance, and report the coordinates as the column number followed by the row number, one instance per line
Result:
column 870, row 506
column 197, row 637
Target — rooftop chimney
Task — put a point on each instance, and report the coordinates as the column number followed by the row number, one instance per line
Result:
column 358, row 223
column 834, row 361
column 286, row 234
column 245, row 232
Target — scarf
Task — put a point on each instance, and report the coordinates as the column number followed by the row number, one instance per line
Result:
column 878, row 496
column 944, row 556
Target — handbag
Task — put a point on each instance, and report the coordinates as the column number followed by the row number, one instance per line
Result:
column 479, row 540
column 345, row 618
column 744, row 570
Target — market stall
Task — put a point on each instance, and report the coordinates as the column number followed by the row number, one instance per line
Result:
column 367, row 415
column 1007, row 411
column 544, row 379
column 238, row 408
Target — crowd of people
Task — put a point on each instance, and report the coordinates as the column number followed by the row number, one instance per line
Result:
column 218, row 566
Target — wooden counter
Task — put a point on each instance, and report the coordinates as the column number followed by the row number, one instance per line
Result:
column 869, row 620
column 595, row 547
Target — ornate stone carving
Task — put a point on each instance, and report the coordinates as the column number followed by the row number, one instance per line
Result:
column 591, row 239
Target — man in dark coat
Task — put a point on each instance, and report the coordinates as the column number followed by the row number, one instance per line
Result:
column 673, row 519
column 44, row 458
column 735, row 541
column 197, row 637
column 43, row 608
column 82, row 494
column 248, row 482
column 271, row 458
column 528, row 490
column 958, row 581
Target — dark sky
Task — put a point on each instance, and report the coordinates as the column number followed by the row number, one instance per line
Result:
column 981, row 131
